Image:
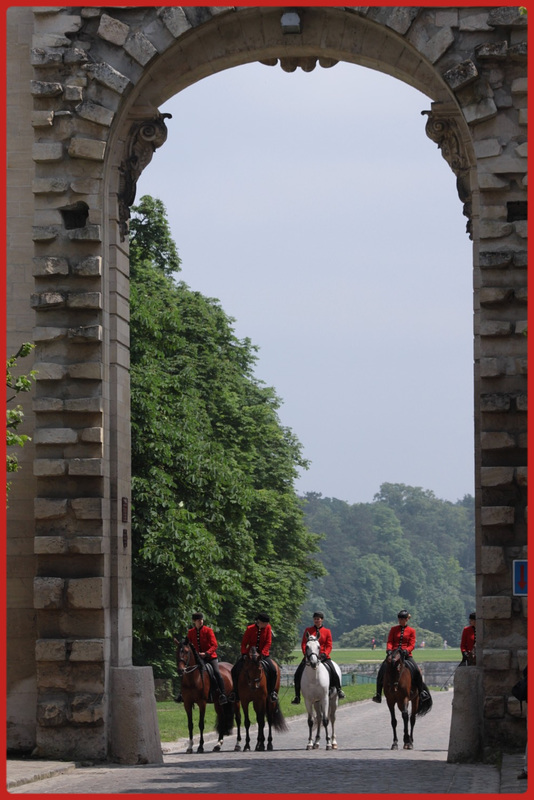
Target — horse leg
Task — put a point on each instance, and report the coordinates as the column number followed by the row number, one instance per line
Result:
column 189, row 712
column 247, row 726
column 332, row 716
column 270, row 733
column 395, row 745
column 309, row 746
column 260, row 718
column 201, row 715
column 318, row 720
column 237, row 713
column 327, row 735
column 408, row 745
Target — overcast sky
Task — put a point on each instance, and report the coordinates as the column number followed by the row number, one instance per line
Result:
column 315, row 208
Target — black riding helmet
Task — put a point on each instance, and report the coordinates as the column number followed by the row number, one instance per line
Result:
column 403, row 614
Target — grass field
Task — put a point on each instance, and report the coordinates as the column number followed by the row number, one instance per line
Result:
column 366, row 655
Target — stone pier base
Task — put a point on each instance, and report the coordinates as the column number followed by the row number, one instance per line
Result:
column 465, row 739
column 134, row 729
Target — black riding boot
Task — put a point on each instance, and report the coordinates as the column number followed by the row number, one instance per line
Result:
column 296, row 680
column 271, row 680
column 379, row 683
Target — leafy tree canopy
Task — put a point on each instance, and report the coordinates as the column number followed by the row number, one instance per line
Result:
column 406, row 549
column 216, row 524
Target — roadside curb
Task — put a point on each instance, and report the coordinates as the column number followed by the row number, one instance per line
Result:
column 20, row 772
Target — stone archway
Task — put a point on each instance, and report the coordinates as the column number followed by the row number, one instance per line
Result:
column 92, row 100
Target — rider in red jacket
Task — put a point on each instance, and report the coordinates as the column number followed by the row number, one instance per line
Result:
column 469, row 637
column 205, row 643
column 260, row 636
column 403, row 636
column 325, row 644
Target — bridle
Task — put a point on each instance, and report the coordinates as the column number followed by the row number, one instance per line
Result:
column 188, row 667
column 254, row 683
column 312, row 658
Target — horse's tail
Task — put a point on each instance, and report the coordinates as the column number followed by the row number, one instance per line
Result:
column 278, row 720
column 425, row 705
column 225, row 720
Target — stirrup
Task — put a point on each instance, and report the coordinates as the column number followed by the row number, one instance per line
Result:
column 179, row 698
column 377, row 698
column 222, row 699
column 340, row 694
column 232, row 697
column 274, row 697
column 295, row 701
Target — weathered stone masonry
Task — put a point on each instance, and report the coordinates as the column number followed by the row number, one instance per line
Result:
column 84, row 87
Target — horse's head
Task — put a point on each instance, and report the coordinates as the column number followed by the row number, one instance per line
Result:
column 253, row 668
column 254, row 654
column 313, row 648
column 185, row 656
column 396, row 658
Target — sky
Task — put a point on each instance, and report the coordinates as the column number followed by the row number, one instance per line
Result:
column 316, row 210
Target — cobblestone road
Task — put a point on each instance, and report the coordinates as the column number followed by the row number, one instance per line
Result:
column 363, row 764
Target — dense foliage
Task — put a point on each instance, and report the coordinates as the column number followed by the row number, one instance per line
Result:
column 407, row 549
column 216, row 524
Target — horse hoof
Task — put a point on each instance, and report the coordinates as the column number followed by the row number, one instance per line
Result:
column 394, row 746
column 189, row 750
column 217, row 748
column 237, row 748
column 246, row 747
column 408, row 747
column 200, row 749
column 309, row 747
column 316, row 746
column 260, row 748
column 328, row 746
column 334, row 747
column 270, row 747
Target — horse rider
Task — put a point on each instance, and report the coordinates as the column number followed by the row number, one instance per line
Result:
column 402, row 636
column 469, row 638
column 324, row 635
column 260, row 636
column 204, row 641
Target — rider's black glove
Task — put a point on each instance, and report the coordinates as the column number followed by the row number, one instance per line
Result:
column 322, row 656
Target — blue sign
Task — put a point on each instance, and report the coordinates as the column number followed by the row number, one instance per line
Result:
column 520, row 577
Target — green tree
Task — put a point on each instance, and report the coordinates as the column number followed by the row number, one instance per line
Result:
column 15, row 415
column 406, row 549
column 216, row 524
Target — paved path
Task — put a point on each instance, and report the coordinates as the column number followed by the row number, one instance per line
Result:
column 363, row 764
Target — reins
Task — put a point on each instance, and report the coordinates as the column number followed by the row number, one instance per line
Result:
column 188, row 669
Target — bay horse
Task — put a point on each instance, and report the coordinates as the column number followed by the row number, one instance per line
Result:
column 400, row 691
column 196, row 689
column 252, row 688
column 318, row 696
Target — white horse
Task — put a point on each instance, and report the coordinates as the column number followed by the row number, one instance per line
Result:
column 317, row 695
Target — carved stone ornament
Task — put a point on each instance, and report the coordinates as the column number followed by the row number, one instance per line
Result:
column 443, row 130
column 306, row 63
column 144, row 139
